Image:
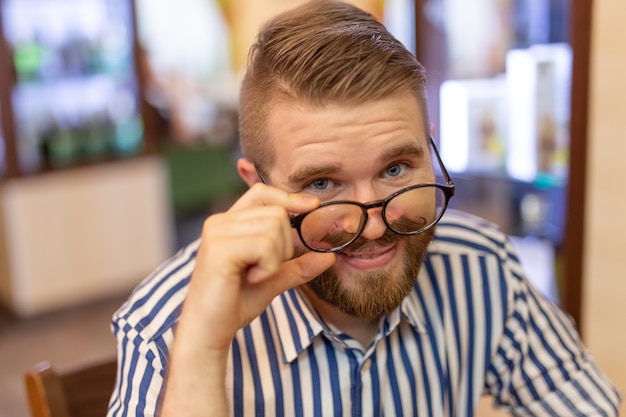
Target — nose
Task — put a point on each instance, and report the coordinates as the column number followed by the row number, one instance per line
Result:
column 375, row 226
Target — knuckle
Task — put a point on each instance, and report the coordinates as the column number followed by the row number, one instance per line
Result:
column 279, row 214
column 269, row 244
column 210, row 223
column 258, row 187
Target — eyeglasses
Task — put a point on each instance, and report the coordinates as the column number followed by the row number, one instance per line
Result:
column 334, row 225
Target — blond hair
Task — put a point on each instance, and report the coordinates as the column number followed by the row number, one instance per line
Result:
column 322, row 52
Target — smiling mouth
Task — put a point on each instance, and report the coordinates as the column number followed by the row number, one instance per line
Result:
column 371, row 259
column 368, row 254
column 363, row 255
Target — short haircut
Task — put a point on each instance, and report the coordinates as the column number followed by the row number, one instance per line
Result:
column 323, row 52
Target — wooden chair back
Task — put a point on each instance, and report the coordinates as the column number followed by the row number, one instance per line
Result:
column 80, row 392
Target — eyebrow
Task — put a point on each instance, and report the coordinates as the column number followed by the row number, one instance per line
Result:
column 301, row 174
column 407, row 149
column 310, row 171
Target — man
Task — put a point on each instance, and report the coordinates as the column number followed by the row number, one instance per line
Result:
column 325, row 289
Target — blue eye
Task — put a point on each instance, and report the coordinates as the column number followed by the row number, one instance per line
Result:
column 320, row 184
column 395, row 170
column 323, row 188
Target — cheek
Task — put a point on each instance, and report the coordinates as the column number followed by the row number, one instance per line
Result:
column 393, row 214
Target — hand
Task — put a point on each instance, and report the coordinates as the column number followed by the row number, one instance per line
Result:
column 244, row 261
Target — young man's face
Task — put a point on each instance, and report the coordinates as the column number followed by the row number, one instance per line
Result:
column 359, row 153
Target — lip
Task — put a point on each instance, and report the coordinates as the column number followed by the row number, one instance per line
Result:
column 368, row 260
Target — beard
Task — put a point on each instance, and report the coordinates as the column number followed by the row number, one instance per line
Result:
column 380, row 292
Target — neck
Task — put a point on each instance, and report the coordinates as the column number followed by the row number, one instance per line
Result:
column 360, row 330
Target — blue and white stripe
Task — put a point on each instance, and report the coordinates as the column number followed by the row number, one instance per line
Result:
column 473, row 325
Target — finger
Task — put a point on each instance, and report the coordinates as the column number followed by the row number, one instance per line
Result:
column 264, row 195
column 306, row 267
column 263, row 219
column 268, row 221
column 294, row 272
column 232, row 257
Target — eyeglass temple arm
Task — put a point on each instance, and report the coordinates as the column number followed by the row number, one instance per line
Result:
column 444, row 171
column 260, row 175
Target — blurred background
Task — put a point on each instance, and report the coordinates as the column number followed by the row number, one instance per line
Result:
column 118, row 136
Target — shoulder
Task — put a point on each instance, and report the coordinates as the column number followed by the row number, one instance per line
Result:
column 465, row 239
column 458, row 232
column 473, row 258
column 154, row 305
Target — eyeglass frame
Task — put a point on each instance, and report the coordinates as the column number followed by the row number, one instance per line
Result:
column 448, row 190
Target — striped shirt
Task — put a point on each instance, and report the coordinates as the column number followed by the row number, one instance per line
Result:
column 472, row 325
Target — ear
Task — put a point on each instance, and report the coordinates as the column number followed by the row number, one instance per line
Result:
column 247, row 171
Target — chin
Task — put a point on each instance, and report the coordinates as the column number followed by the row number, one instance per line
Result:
column 371, row 294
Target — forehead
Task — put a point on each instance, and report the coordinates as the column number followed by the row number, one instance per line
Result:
column 339, row 133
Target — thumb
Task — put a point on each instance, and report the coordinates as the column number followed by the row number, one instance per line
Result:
column 308, row 266
column 300, row 270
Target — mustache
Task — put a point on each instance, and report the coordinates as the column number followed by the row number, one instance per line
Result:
column 387, row 239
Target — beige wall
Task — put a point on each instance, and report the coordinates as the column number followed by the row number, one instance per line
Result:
column 604, row 287
column 83, row 234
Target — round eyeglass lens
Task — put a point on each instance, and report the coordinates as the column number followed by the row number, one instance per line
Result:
column 414, row 210
column 337, row 224
column 331, row 226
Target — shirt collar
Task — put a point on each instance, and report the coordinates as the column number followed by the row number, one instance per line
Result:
column 297, row 324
